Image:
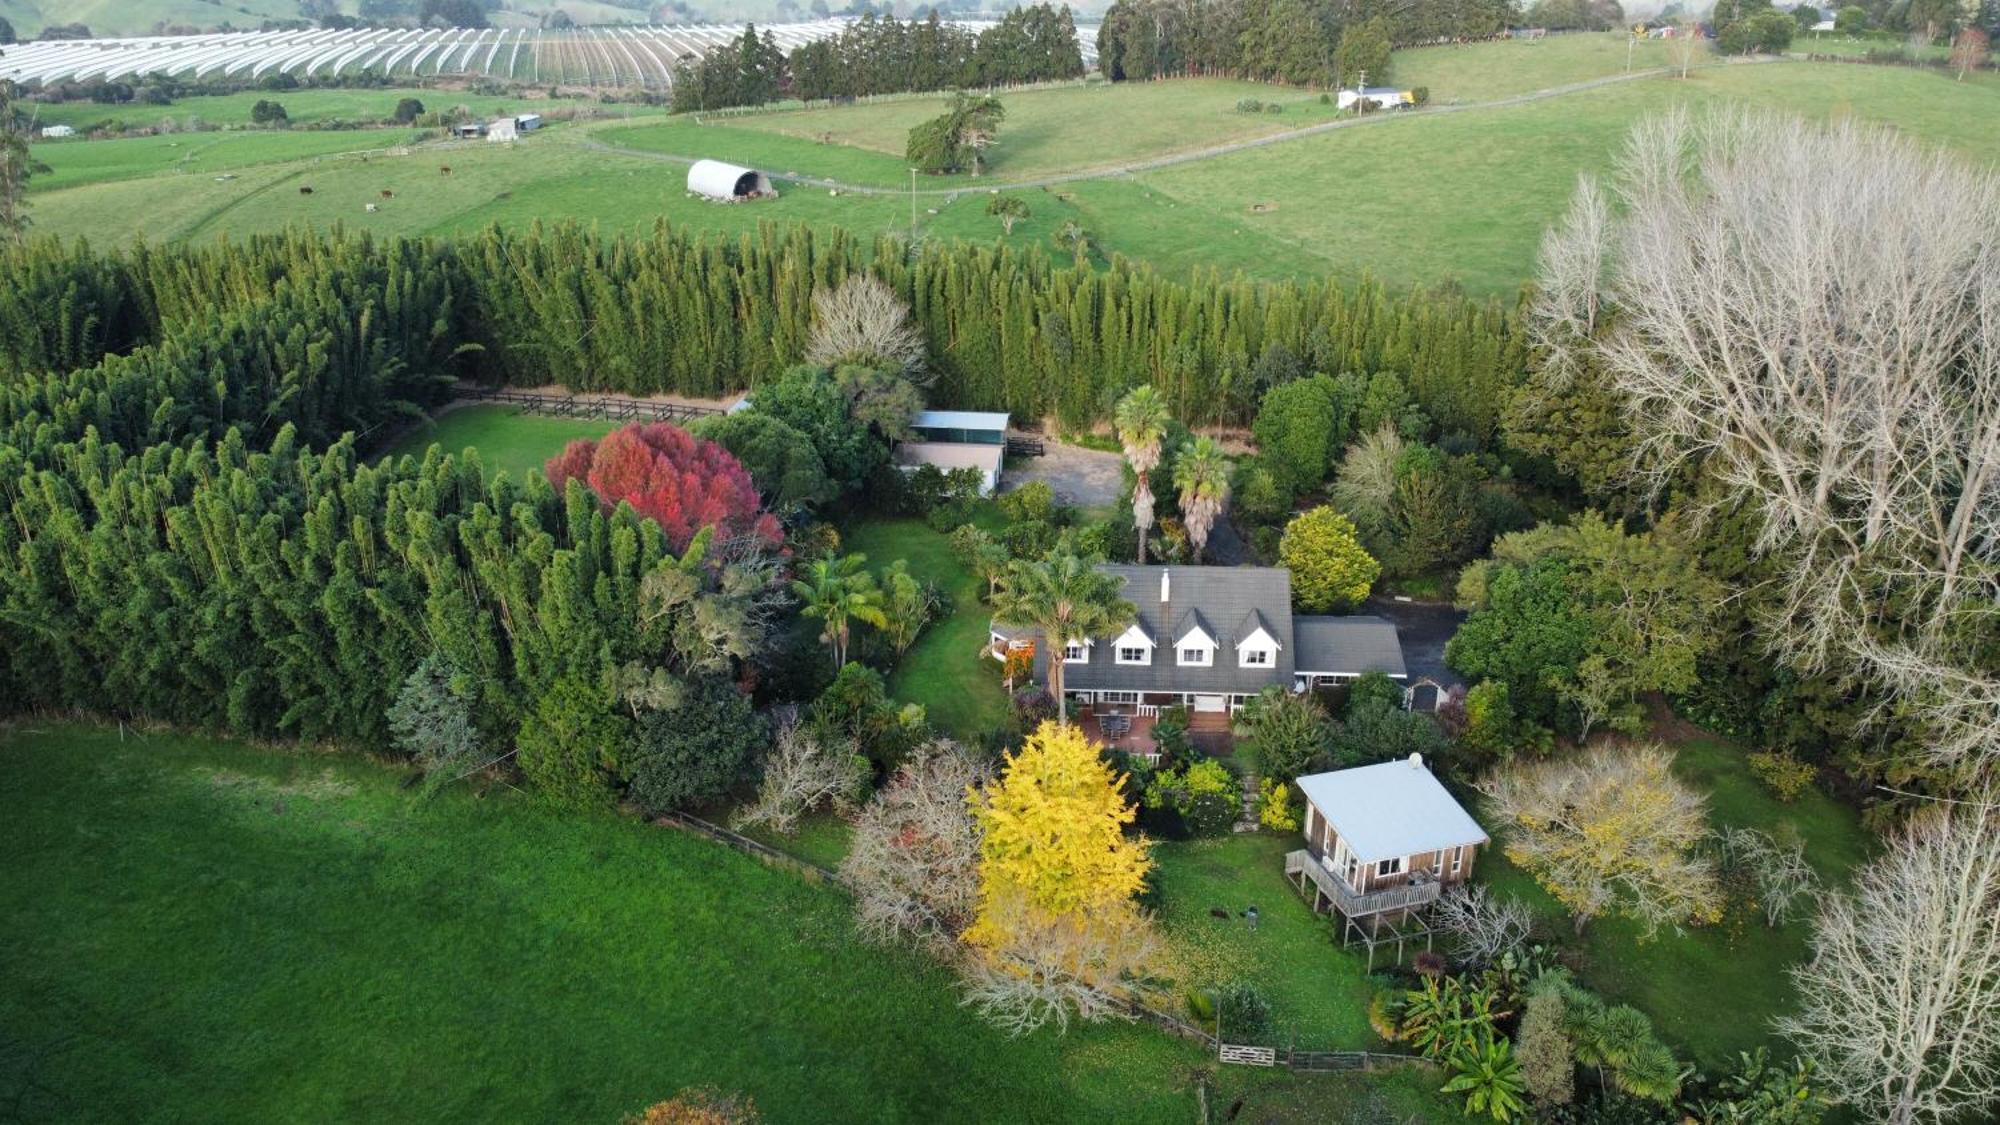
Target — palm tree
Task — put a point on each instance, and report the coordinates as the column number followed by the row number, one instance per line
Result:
column 1490, row 1078
column 1202, row 476
column 1069, row 601
column 1141, row 421
column 838, row 592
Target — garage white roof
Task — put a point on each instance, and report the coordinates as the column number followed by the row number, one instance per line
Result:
column 959, row 420
column 1389, row 810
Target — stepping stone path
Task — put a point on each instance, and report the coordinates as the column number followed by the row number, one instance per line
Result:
column 1248, row 822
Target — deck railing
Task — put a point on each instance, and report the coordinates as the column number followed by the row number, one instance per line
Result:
column 1353, row 903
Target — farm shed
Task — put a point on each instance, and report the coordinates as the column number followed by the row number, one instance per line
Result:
column 956, row 439
column 528, row 122
column 712, row 179
column 1377, row 97
column 54, row 131
column 502, row 129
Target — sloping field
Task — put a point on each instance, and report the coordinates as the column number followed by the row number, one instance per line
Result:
column 1063, row 130
column 302, row 106
column 1465, row 196
column 195, row 930
column 1448, row 194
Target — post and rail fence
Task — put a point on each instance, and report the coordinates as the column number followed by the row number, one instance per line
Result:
column 617, row 408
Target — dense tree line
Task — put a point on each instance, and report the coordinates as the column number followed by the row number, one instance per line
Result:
column 1294, row 41
column 884, row 55
column 191, row 534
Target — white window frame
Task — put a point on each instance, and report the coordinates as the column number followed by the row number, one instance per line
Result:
column 1206, row 654
column 1458, row 859
column 1387, row 867
column 1082, row 649
column 1118, row 697
column 1145, row 654
column 1264, row 654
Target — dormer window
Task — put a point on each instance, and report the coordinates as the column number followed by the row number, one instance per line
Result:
column 1196, row 646
column 1076, row 652
column 1133, row 646
column 1259, row 649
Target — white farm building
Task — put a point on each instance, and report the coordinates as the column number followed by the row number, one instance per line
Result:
column 956, row 439
column 1377, row 97
column 712, row 179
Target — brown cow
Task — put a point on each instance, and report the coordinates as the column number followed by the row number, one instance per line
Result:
column 444, row 170
column 387, row 194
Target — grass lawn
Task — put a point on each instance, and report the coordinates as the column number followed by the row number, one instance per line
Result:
column 947, row 670
column 199, row 930
column 507, row 441
column 1712, row 991
column 1318, row 991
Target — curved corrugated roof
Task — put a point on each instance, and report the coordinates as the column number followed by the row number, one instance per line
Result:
column 718, row 180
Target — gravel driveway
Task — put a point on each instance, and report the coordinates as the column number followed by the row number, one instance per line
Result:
column 1086, row 478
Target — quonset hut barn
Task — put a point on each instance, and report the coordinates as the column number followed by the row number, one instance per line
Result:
column 712, row 179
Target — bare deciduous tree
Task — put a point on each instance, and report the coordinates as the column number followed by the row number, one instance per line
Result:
column 1970, row 51
column 1848, row 387
column 863, row 321
column 801, row 774
column 1058, row 965
column 1900, row 1004
column 1610, row 831
column 914, row 860
column 1686, row 45
column 1481, row 925
column 1783, row 878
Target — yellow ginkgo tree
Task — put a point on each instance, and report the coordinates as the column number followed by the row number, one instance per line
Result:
column 1058, row 928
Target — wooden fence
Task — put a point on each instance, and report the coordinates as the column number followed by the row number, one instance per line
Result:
column 617, row 408
column 775, row 857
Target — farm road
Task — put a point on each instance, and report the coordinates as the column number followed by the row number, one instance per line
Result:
column 1192, row 155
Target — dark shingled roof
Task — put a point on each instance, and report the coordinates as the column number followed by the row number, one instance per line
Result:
column 1203, row 594
column 1346, row 645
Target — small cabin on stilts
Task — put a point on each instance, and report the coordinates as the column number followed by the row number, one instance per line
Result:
column 1382, row 843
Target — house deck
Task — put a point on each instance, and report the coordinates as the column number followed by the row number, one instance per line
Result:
column 1129, row 729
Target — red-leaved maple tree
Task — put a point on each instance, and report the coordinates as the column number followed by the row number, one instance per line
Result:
column 680, row 481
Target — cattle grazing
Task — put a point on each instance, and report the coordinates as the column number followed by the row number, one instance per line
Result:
column 387, row 194
column 305, row 191
column 444, row 170
column 372, row 208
